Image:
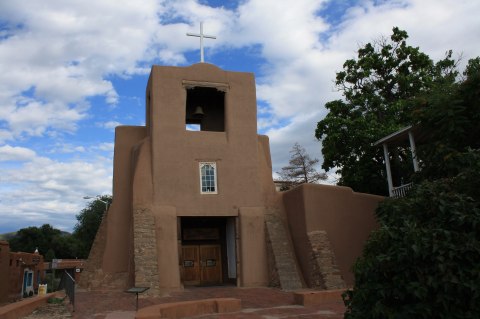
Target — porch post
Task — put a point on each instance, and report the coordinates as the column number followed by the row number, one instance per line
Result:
column 389, row 173
column 413, row 150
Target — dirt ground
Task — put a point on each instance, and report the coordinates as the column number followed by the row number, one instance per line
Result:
column 50, row 311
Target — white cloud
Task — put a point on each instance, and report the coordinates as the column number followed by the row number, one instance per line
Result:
column 15, row 153
column 110, row 125
column 105, row 147
column 301, row 129
column 63, row 51
column 43, row 190
column 285, row 31
column 67, row 148
column 434, row 26
column 60, row 54
column 27, row 116
column 301, row 68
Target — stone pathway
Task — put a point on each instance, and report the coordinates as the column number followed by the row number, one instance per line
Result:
column 264, row 303
column 257, row 303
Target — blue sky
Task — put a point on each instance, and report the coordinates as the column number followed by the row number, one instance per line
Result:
column 73, row 70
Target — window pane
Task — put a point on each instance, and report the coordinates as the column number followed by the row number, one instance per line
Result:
column 208, row 178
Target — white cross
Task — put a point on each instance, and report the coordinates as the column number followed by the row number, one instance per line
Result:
column 201, row 36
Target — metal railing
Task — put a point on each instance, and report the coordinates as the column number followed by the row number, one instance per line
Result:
column 401, row 191
column 68, row 283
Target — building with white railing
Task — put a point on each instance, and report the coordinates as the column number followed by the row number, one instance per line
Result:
column 399, row 138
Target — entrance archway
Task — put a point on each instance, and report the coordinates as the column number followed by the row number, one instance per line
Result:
column 208, row 251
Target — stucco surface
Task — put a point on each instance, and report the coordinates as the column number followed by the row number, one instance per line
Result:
column 119, row 224
column 4, row 271
column 176, row 152
column 156, row 173
column 346, row 216
column 253, row 247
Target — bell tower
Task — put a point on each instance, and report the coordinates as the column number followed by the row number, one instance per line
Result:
column 201, row 181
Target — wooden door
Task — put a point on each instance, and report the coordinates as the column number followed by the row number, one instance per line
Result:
column 191, row 265
column 202, row 264
column 211, row 264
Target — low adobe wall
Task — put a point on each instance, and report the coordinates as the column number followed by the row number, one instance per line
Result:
column 22, row 308
column 309, row 298
column 188, row 309
column 347, row 218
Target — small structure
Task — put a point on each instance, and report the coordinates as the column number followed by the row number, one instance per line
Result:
column 73, row 266
column 399, row 138
column 136, row 291
column 21, row 273
column 281, row 186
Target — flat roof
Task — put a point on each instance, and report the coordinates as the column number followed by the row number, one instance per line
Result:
column 399, row 137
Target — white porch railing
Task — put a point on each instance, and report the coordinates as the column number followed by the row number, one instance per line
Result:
column 401, row 191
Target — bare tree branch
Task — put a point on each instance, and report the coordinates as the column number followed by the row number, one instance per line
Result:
column 301, row 169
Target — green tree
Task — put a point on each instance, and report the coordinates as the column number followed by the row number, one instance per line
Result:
column 451, row 116
column 301, row 169
column 88, row 222
column 51, row 242
column 379, row 88
column 66, row 246
column 28, row 239
column 424, row 260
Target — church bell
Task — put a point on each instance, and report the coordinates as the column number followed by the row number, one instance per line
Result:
column 198, row 112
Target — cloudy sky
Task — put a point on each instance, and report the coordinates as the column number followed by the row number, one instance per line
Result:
column 73, row 70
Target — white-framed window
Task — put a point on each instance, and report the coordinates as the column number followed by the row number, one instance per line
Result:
column 208, row 178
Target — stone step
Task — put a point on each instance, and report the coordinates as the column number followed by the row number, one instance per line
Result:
column 325, row 273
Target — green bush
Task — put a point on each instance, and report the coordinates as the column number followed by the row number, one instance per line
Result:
column 55, row 300
column 424, row 260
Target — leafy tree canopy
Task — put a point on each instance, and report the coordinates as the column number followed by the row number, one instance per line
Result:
column 379, row 88
column 450, row 114
column 51, row 242
column 88, row 222
column 424, row 260
column 301, row 168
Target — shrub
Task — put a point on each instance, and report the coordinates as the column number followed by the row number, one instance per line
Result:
column 424, row 260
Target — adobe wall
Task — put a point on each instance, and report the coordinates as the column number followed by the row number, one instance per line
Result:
column 166, row 173
column 142, row 184
column 176, row 152
column 346, row 216
column 23, row 308
column 20, row 262
column 253, row 248
column 4, row 271
column 110, row 263
column 156, row 180
column 269, row 194
column 119, row 216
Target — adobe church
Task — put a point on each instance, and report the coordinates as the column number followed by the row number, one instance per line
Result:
column 194, row 201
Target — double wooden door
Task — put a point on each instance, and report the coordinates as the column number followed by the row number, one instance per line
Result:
column 202, row 264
